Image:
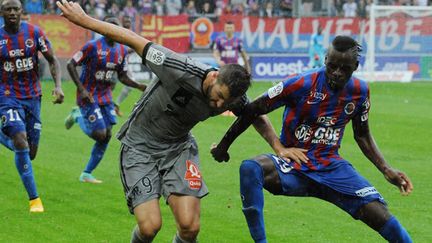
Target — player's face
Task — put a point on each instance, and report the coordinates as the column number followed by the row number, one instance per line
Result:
column 218, row 95
column 339, row 68
column 11, row 11
column 229, row 29
column 127, row 23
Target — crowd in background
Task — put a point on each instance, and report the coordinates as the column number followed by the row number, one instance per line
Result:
column 262, row 8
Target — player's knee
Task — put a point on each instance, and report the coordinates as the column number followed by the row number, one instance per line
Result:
column 250, row 169
column 100, row 136
column 20, row 141
column 188, row 228
column 150, row 227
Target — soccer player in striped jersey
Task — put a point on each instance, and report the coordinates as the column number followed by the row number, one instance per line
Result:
column 100, row 60
column 228, row 48
column 20, row 91
column 159, row 156
column 318, row 105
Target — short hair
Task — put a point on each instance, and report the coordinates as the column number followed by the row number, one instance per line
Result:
column 236, row 77
column 110, row 16
column 229, row 22
column 343, row 43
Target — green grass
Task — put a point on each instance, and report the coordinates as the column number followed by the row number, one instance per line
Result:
column 400, row 119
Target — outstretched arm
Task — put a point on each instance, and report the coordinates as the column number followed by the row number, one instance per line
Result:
column 248, row 116
column 126, row 80
column 370, row 149
column 74, row 13
column 54, row 66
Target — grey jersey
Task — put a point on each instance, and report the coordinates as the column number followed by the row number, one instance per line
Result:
column 172, row 105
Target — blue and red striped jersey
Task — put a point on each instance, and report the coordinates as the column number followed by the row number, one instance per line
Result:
column 19, row 61
column 99, row 62
column 315, row 115
column 229, row 49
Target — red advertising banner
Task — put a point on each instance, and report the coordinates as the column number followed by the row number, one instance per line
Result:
column 169, row 31
column 65, row 37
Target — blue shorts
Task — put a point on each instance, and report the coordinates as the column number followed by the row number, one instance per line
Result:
column 342, row 186
column 21, row 116
column 98, row 117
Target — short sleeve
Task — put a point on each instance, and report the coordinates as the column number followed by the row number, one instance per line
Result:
column 83, row 55
column 43, row 44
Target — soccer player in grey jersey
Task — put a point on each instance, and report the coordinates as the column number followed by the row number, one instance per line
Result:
column 159, row 156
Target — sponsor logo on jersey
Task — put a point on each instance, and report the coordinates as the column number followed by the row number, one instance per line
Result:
column 366, row 191
column 37, row 126
column 275, row 90
column 103, row 53
column 110, row 65
column 155, row 56
column 349, row 108
column 20, row 65
column 326, row 120
column 303, row 133
column 364, row 117
column 16, row 53
column 42, row 44
column 193, row 175
column 322, row 135
column 3, row 42
column 316, row 97
column 77, row 56
column 366, row 104
column 29, row 43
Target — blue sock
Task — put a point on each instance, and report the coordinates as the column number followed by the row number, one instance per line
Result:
column 6, row 141
column 96, row 156
column 393, row 232
column 251, row 186
column 82, row 124
column 24, row 166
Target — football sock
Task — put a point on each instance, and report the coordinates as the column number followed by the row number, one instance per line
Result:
column 6, row 141
column 123, row 94
column 178, row 239
column 80, row 120
column 251, row 186
column 138, row 238
column 393, row 232
column 96, row 156
column 24, row 167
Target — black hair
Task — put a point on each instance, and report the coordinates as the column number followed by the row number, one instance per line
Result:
column 229, row 22
column 236, row 77
column 343, row 43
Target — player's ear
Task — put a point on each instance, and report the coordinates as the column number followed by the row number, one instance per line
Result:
column 215, row 76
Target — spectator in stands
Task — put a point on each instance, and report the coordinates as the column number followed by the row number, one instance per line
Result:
column 269, row 10
column 350, row 9
column 130, row 10
column 114, row 10
column 253, row 8
column 220, row 6
column 205, row 7
column 361, row 9
column 145, row 7
column 159, row 8
column 286, row 7
column 173, row 7
column 33, row 6
column 190, row 8
column 89, row 7
column 100, row 8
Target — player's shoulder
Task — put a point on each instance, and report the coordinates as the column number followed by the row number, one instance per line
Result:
column 26, row 26
column 358, row 85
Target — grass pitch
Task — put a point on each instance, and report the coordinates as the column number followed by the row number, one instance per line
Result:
column 400, row 120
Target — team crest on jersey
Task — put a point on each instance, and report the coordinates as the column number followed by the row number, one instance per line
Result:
column 349, row 108
column 366, row 104
column 155, row 56
column 8, row 67
column 92, row 118
column 193, row 175
column 275, row 90
column 120, row 59
column 29, row 43
column 3, row 120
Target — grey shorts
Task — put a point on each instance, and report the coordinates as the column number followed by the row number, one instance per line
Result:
column 152, row 174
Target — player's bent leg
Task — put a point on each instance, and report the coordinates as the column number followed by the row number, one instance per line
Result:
column 376, row 215
column 187, row 211
column 102, row 138
column 33, row 151
column 149, row 221
column 254, row 175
